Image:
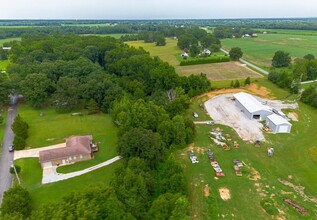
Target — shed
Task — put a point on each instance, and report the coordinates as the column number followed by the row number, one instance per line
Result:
column 251, row 107
column 278, row 124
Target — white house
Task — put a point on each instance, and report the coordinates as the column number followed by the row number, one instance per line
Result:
column 184, row 55
column 278, row 124
column 251, row 107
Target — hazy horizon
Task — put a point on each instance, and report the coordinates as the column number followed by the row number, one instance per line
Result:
column 155, row 10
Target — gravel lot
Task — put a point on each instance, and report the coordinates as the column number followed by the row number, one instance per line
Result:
column 224, row 111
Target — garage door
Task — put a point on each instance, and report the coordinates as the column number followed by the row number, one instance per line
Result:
column 283, row 129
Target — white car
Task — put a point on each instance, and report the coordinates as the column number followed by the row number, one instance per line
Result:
column 11, row 148
column 195, row 114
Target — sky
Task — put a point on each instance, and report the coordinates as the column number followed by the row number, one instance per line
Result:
column 155, row 9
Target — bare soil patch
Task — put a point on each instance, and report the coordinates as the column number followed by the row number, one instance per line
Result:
column 206, row 190
column 219, row 71
column 224, row 194
column 255, row 174
column 262, row 91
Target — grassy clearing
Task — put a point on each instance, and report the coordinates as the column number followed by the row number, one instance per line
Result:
column 219, row 71
column 260, row 50
column 8, row 40
column 166, row 53
column 295, row 160
column 53, row 128
column 31, row 175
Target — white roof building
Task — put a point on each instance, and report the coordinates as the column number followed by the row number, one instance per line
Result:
column 278, row 124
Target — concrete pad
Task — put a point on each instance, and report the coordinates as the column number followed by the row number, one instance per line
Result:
column 35, row 151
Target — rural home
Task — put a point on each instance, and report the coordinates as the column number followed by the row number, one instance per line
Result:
column 78, row 148
column 205, row 52
column 185, row 55
column 251, row 107
column 278, row 124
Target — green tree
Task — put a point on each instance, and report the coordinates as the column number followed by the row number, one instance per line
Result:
column 139, row 142
column 236, row 84
column 184, row 42
column 235, row 53
column 36, row 89
column 92, row 107
column 181, row 210
column 194, row 50
column 16, row 200
column 232, row 84
column 247, row 81
column 66, row 96
column 19, row 142
column 1, row 119
column 20, row 127
column 5, row 87
column 281, row 59
column 309, row 57
column 160, row 40
column 17, row 168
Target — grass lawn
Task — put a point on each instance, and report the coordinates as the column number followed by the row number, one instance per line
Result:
column 219, row 71
column 294, row 160
column 166, row 53
column 53, row 128
column 261, row 50
column 8, row 40
column 31, row 175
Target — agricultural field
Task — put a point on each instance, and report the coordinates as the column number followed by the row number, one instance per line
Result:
column 261, row 50
column 52, row 128
column 219, row 71
column 265, row 181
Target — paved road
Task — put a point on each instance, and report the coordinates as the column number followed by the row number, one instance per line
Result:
column 249, row 64
column 7, row 157
column 306, row 82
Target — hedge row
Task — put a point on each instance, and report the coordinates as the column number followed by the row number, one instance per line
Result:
column 205, row 60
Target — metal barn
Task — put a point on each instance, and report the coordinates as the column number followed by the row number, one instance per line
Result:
column 278, row 124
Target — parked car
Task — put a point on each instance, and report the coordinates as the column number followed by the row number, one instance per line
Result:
column 195, row 114
column 210, row 123
column 11, row 148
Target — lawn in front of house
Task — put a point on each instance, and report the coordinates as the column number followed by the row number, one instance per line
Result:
column 53, row 128
column 31, row 177
column 258, row 194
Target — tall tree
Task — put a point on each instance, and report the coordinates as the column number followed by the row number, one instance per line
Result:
column 281, row 59
column 235, row 53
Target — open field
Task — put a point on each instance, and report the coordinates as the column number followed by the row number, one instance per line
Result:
column 219, row 71
column 261, row 50
column 8, row 40
column 166, row 53
column 294, row 163
column 31, row 175
column 287, row 31
column 52, row 128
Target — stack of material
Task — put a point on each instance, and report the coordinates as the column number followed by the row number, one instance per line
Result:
column 192, row 156
column 214, row 164
column 235, row 144
column 226, row 147
column 236, row 167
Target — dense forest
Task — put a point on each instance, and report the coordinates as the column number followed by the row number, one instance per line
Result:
column 148, row 102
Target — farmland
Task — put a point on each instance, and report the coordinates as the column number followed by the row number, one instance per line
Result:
column 219, row 71
column 262, row 178
column 260, row 50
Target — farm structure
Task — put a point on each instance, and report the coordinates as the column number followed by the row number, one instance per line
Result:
column 278, row 124
column 251, row 107
column 78, row 148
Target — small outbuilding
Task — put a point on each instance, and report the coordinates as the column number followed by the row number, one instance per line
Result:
column 251, row 107
column 278, row 124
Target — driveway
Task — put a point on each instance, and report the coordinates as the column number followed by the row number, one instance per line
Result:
column 50, row 175
column 35, row 152
column 7, row 157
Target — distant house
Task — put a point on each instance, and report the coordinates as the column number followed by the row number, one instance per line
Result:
column 78, row 148
column 6, row 48
column 185, row 55
column 254, row 35
column 278, row 124
column 264, row 32
column 246, row 35
column 205, row 52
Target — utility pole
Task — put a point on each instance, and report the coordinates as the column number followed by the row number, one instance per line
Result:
column 16, row 173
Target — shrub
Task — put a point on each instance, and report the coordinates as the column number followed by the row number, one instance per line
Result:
column 17, row 168
column 205, row 61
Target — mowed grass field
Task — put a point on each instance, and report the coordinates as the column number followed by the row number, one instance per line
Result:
column 294, row 160
column 261, row 50
column 8, row 40
column 219, row 71
column 166, row 53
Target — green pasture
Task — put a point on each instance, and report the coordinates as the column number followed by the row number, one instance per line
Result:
column 53, row 128
column 294, row 160
column 8, row 40
column 31, row 177
column 261, row 50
